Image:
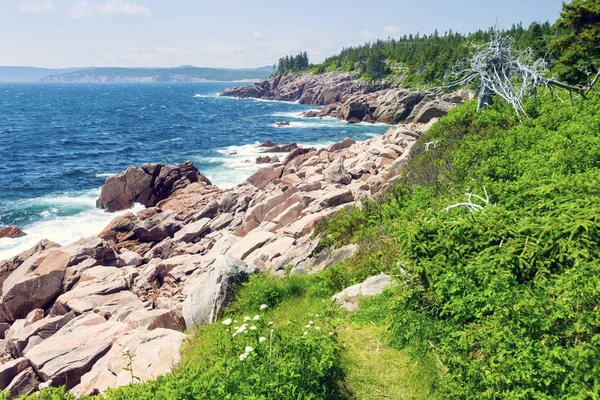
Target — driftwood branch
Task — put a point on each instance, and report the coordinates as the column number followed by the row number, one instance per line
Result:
column 501, row 69
column 472, row 207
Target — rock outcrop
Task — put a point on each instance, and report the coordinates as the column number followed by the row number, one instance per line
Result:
column 11, row 232
column 146, row 185
column 353, row 100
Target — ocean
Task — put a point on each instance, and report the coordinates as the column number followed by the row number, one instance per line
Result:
column 59, row 143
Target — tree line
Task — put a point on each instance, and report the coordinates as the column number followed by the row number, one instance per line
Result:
column 571, row 46
column 295, row 63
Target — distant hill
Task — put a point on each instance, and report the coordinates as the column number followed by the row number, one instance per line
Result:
column 186, row 73
column 178, row 74
column 30, row 74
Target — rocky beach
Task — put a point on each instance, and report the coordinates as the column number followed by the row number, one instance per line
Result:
column 67, row 313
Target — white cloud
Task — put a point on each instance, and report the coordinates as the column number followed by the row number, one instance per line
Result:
column 367, row 35
column 391, row 29
column 37, row 6
column 256, row 35
column 85, row 8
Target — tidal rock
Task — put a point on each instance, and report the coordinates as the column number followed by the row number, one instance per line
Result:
column 211, row 294
column 11, row 232
column 146, row 185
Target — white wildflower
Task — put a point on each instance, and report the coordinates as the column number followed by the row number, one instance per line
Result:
column 270, row 323
column 317, row 315
column 249, row 349
column 261, row 339
column 317, row 328
column 256, row 317
column 247, row 319
column 263, row 306
column 310, row 322
column 306, row 333
column 227, row 322
column 125, row 351
column 243, row 356
column 308, row 326
column 252, row 328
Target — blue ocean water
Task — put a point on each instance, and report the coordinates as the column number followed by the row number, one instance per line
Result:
column 59, row 142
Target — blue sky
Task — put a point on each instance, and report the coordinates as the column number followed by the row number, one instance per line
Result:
column 230, row 33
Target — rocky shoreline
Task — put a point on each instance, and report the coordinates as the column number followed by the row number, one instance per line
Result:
column 343, row 96
column 67, row 313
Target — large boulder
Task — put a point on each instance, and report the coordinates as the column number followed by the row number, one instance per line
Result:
column 214, row 289
column 11, row 232
column 373, row 286
column 336, row 172
column 146, row 185
column 36, row 289
column 153, row 353
column 73, row 350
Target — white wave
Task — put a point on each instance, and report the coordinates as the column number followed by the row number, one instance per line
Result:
column 309, row 123
column 206, row 96
column 171, row 140
column 106, row 175
column 62, row 229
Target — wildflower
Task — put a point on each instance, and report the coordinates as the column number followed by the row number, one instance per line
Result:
column 308, row 326
column 236, row 327
column 235, row 320
column 263, row 306
column 249, row 349
column 252, row 328
column 270, row 323
column 256, row 317
column 125, row 351
column 306, row 333
column 272, row 330
column 247, row 319
column 310, row 322
column 261, row 339
column 317, row 328
column 317, row 315
column 227, row 322
column 243, row 356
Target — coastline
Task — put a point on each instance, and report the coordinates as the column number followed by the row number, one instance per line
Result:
column 159, row 261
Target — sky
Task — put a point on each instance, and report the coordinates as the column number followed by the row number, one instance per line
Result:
column 230, row 33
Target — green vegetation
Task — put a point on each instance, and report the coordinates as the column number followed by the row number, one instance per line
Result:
column 507, row 297
column 426, row 59
column 293, row 63
column 579, row 45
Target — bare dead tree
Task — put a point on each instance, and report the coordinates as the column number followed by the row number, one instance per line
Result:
column 501, row 69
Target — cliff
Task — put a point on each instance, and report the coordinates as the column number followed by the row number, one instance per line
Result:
column 345, row 97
